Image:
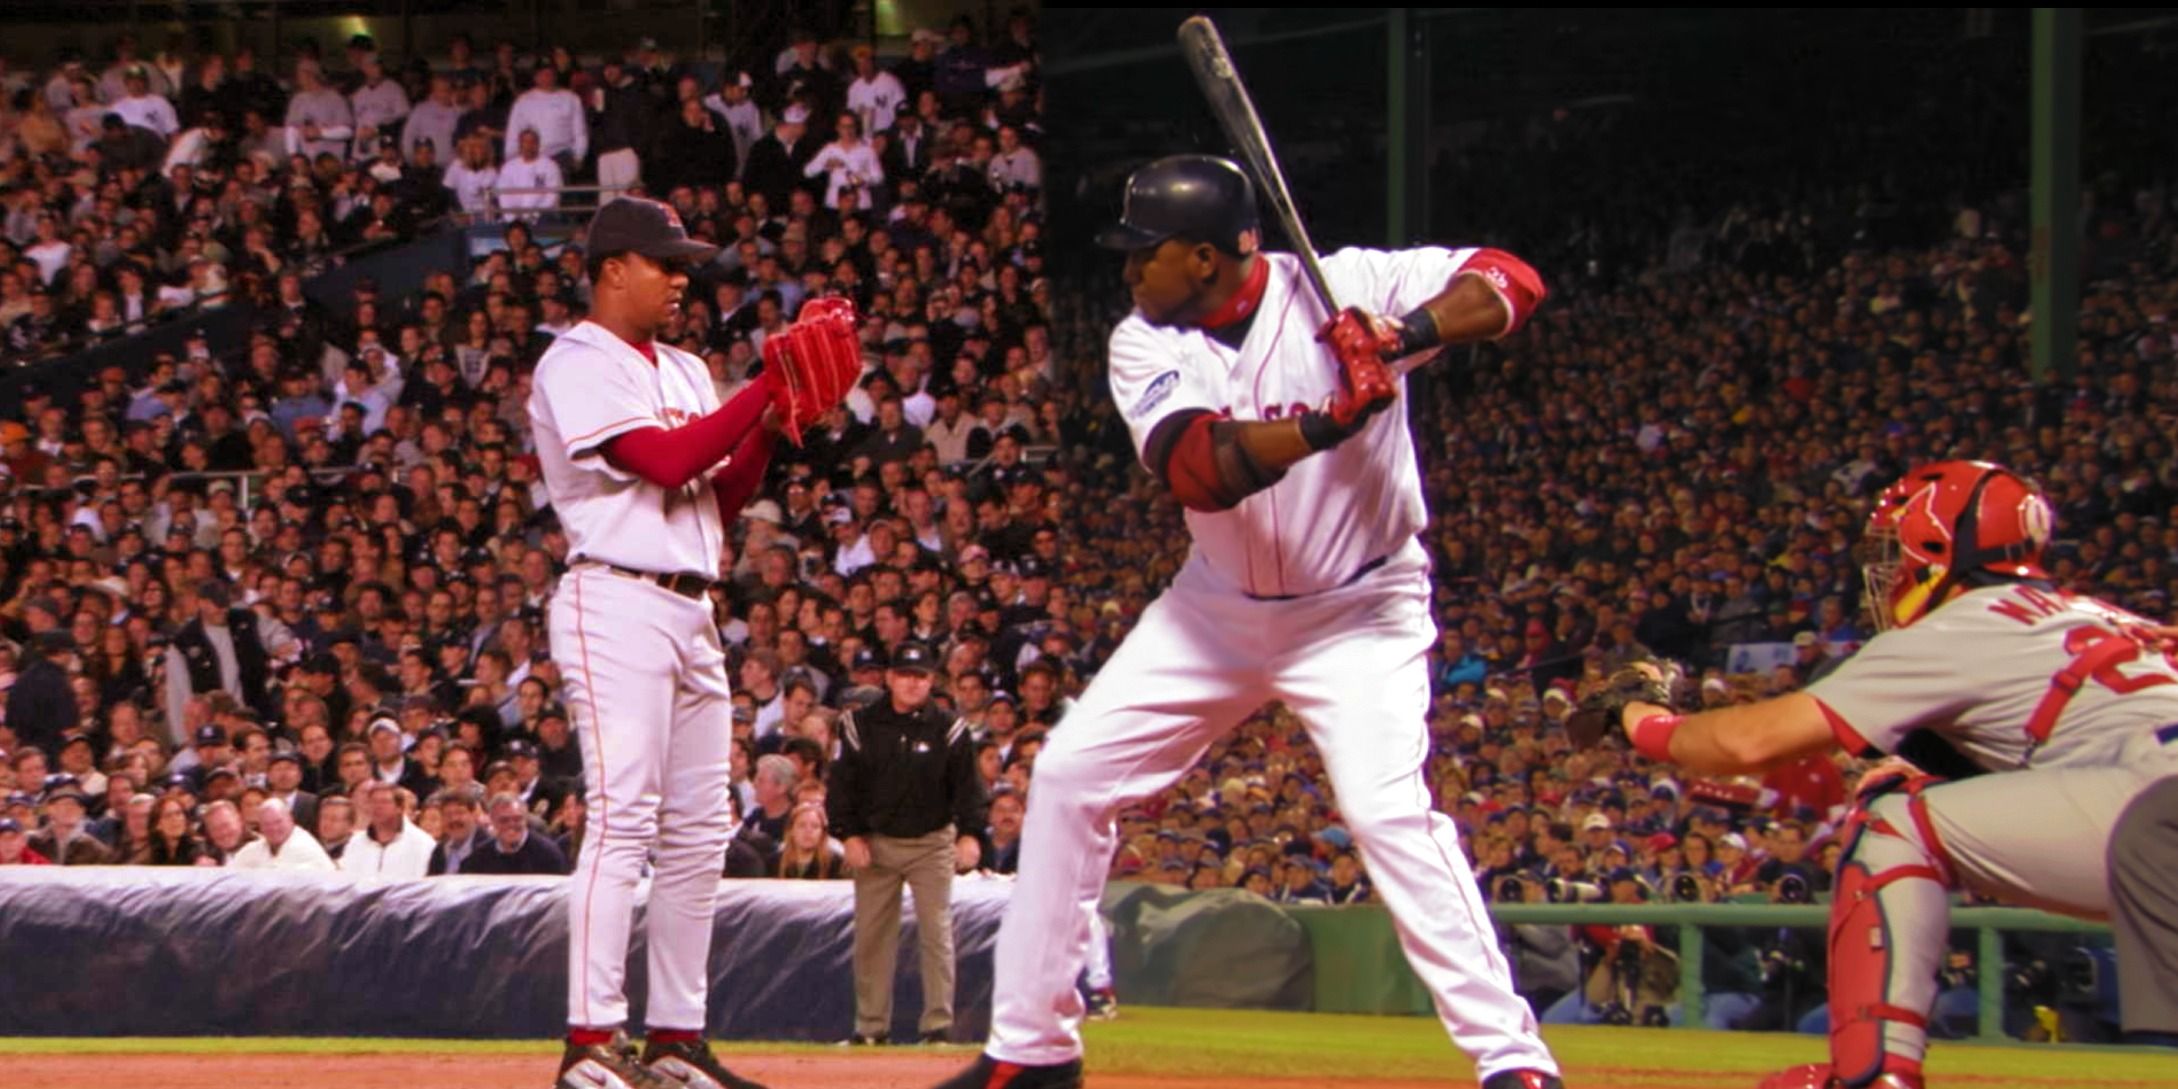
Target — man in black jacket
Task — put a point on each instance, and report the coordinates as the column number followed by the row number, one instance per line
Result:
column 41, row 706
column 905, row 800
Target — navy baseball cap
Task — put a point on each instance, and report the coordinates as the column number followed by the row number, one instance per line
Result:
column 914, row 658
column 635, row 225
column 211, row 735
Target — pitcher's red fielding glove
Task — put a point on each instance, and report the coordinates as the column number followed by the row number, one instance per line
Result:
column 813, row 364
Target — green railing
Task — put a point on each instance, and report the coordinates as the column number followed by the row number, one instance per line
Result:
column 1988, row 922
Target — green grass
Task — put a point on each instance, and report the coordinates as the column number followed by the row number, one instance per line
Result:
column 1228, row 1043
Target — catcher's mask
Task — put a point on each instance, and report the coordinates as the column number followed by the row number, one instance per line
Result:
column 1945, row 525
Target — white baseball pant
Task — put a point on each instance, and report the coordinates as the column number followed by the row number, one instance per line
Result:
column 1352, row 663
column 646, row 689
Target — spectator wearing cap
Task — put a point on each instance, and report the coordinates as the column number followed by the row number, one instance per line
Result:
column 65, row 840
column 41, row 705
column 220, row 649
column 906, row 803
column 389, row 762
column 874, row 95
column 512, row 848
column 143, row 109
column 280, row 844
column 738, row 115
column 388, row 844
column 15, row 848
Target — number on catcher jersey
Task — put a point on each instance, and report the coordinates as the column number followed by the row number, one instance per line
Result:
column 1336, row 511
column 2014, row 676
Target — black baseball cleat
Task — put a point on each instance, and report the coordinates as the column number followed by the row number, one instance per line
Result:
column 691, row 1065
column 1102, row 1004
column 607, row 1066
column 990, row 1073
column 1523, row 1079
column 869, row 1039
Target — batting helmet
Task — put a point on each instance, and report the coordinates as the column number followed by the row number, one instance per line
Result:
column 1200, row 197
column 1946, row 524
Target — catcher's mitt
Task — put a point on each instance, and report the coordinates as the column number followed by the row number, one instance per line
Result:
column 811, row 366
column 1598, row 713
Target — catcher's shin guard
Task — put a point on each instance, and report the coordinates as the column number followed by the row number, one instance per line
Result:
column 1888, row 924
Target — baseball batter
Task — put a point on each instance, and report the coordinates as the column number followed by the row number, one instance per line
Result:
column 1305, row 584
column 2068, row 697
column 640, row 459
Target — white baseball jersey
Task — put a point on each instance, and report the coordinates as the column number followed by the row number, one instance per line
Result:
column 589, row 387
column 1337, row 511
column 1990, row 671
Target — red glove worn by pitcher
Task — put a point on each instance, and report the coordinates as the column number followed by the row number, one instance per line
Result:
column 1366, row 383
column 811, row 366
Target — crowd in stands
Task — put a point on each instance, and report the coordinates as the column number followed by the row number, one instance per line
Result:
column 342, row 645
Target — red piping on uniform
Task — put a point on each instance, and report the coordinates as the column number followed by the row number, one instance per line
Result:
column 597, row 731
column 1260, row 371
column 587, row 435
column 1849, row 739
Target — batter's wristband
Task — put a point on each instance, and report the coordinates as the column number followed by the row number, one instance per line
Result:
column 1418, row 332
column 1320, row 431
column 1651, row 736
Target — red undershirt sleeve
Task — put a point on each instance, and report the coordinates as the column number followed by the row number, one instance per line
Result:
column 672, row 458
column 743, row 474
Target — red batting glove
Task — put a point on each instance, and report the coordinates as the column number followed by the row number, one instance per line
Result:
column 1366, row 384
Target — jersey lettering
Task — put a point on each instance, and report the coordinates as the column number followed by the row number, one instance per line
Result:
column 2032, row 605
column 2098, row 653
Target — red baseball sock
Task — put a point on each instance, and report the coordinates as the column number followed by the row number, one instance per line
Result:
column 588, row 1037
column 675, row 1036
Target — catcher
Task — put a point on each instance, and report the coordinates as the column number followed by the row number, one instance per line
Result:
column 2070, row 697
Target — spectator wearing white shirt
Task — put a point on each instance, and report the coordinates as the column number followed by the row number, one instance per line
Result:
column 379, row 106
column 472, row 176
column 195, row 144
column 557, row 118
column 280, row 844
column 141, row 108
column 529, row 170
column 875, row 96
column 50, row 252
column 319, row 119
column 849, row 166
column 389, row 845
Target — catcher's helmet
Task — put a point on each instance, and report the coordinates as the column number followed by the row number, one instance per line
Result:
column 1946, row 524
column 1199, row 197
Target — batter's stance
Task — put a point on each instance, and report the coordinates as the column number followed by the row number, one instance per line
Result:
column 1266, row 418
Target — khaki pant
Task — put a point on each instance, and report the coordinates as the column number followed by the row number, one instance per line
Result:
column 925, row 865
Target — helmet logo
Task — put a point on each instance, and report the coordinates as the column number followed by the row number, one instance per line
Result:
column 2034, row 522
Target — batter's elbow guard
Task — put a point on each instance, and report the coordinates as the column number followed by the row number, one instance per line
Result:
column 1514, row 281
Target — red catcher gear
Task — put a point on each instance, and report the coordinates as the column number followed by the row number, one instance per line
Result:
column 1366, row 386
column 1817, row 1076
column 810, row 366
column 1946, row 523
